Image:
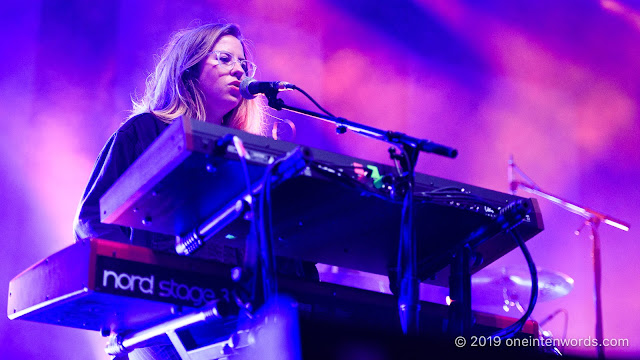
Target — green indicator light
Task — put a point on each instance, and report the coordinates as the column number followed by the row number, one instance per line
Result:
column 375, row 175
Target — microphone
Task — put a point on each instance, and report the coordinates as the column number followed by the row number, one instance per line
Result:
column 250, row 87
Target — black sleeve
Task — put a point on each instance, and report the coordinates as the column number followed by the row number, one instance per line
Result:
column 114, row 158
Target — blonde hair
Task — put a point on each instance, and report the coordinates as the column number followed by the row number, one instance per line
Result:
column 173, row 89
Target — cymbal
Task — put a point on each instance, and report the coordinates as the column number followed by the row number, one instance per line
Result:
column 495, row 286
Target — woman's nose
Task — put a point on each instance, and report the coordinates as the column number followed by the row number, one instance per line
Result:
column 237, row 70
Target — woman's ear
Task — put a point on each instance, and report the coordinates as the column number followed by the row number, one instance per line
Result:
column 192, row 72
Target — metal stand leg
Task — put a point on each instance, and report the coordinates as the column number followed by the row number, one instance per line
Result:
column 597, row 272
column 177, row 344
column 409, row 299
column 460, row 313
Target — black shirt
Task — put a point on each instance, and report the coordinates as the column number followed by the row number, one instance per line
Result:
column 120, row 151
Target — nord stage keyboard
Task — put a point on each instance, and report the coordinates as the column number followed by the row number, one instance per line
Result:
column 342, row 210
column 107, row 286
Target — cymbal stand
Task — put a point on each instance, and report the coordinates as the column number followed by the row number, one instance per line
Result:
column 592, row 220
column 411, row 147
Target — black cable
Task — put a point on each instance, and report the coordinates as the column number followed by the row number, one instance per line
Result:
column 268, row 223
column 313, row 101
column 265, row 232
column 242, row 295
column 238, row 144
column 514, row 328
column 446, row 188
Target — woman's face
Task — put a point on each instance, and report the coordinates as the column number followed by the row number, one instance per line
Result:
column 219, row 83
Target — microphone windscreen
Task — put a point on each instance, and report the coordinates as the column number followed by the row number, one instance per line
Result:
column 244, row 88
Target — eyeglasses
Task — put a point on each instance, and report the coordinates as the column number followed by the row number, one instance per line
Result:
column 228, row 60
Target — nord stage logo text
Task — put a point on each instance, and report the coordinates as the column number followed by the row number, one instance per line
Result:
column 153, row 286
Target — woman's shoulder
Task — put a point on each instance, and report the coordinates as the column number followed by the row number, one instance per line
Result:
column 142, row 122
column 141, row 130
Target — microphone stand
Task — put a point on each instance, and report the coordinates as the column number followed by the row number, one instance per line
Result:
column 593, row 219
column 408, row 300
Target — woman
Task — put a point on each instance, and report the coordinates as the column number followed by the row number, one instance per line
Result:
column 198, row 76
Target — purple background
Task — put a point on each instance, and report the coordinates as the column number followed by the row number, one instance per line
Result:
column 555, row 83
